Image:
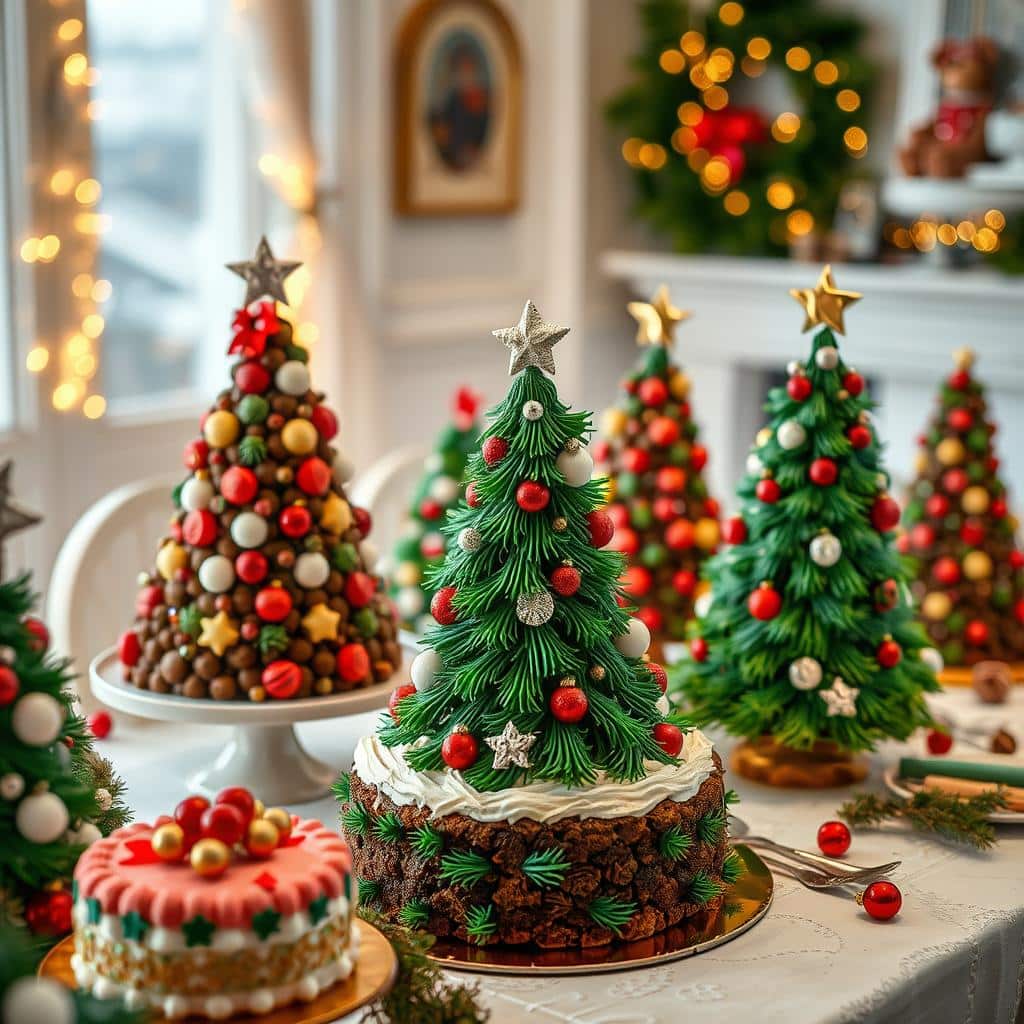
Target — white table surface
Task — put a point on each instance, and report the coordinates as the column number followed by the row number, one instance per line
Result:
column 955, row 952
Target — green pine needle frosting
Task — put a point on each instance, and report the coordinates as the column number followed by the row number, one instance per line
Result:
column 415, row 914
column 703, row 887
column 674, row 843
column 732, row 868
column 357, row 819
column 368, row 891
column 388, row 828
column 480, row 923
column 427, row 841
column 546, row 868
column 464, row 867
column 342, row 788
column 611, row 913
column 710, row 826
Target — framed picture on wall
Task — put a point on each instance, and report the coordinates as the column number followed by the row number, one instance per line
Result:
column 458, row 86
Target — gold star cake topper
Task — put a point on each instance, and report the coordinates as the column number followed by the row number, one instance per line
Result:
column 656, row 320
column 824, row 303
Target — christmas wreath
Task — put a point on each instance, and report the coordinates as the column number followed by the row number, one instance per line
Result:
column 715, row 169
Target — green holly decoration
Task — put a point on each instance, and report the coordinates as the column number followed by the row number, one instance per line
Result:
column 266, row 922
column 134, row 926
column 189, row 621
column 344, row 557
column 317, row 909
column 273, row 639
column 366, row 622
column 198, row 931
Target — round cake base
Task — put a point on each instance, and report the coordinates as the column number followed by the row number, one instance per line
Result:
column 374, row 977
column 824, row 766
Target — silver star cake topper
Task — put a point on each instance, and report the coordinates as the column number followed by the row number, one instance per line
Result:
column 840, row 699
column 511, row 747
column 263, row 275
column 531, row 341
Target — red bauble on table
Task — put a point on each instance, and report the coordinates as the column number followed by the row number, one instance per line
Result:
column 313, row 476
column 295, row 521
column 659, row 674
column 976, row 633
column 442, row 606
column 273, row 604
column 859, row 436
column 494, row 450
column 196, row 454
column 353, row 663
column 251, row 567
column 669, row 737
column 799, row 388
column 359, row 589
column 636, row 581
column 129, row 648
column 768, row 491
column 881, row 899
column 960, row 419
column 734, row 530
column 652, row 391
column 39, row 635
column 239, row 485
column 240, row 798
column 49, row 913
column 459, row 749
column 636, row 460
column 472, row 495
column 399, row 693
column 939, row 741
column 199, row 528
column 885, row 514
column 853, row 382
column 889, row 653
column 10, row 685
column 568, row 704
column 699, row 649
column 946, row 571
column 833, row 838
column 671, row 479
column 937, row 506
column 532, row 496
column 680, row 535
column 684, row 582
column 698, row 457
column 955, row 481
column 566, row 580
column 282, row 679
column 325, row 421
column 100, row 724
column 765, row 602
column 601, row 529
column 663, row 431
column 252, row 378
column 224, row 822
column 823, row 472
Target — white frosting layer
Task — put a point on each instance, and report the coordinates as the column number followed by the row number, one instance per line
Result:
column 448, row 792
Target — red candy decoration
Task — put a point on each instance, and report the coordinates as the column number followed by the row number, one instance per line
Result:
column 251, row 567
column 252, row 378
column 765, row 602
column 885, row 513
column 666, row 509
column 442, row 606
column 353, row 663
column 699, row 649
column 459, row 750
column 240, row 798
column 671, row 479
column 955, row 480
column 129, row 650
column 834, row 838
column 663, row 431
column 823, row 472
column 568, row 704
column 799, row 388
column 239, row 485
column 889, row 653
column 100, row 724
column 189, row 814
column 494, row 450
column 680, row 535
column 853, row 382
column 939, row 741
column 532, row 496
column 659, row 674
column 224, row 822
column 472, row 495
column 325, row 421
column 273, row 604
column 859, row 436
column 652, row 391
column 768, row 491
column 282, row 679
column 976, row 633
column 314, row 476
column 196, row 454
column 1016, row 559
column 601, row 529
column 39, row 635
column 734, row 530
column 636, row 460
column 959, row 380
column 363, row 520
column 882, row 900
column 359, row 589
column 946, row 571
column 295, row 521
column 399, row 693
column 698, row 457
column 430, row 509
column 199, row 528
column 669, row 737
column 998, row 508
column 960, row 419
column 9, row 685
column 684, row 582
column 148, row 599
column 566, row 580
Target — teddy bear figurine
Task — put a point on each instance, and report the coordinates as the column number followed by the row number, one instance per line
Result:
column 955, row 138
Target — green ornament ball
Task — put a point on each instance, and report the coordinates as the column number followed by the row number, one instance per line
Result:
column 956, row 622
column 1002, row 596
column 652, row 555
column 934, row 437
column 690, row 429
column 344, row 557
column 975, row 472
column 924, row 488
column 953, row 652
column 679, row 454
column 627, row 485
column 640, row 515
column 366, row 621
column 977, row 439
column 633, row 406
column 914, row 512
column 952, row 522
column 253, row 409
column 698, row 488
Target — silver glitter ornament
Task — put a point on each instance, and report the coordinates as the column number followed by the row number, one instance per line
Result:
column 470, row 539
column 532, row 410
column 790, row 434
column 825, row 550
column 535, row 609
column 827, row 357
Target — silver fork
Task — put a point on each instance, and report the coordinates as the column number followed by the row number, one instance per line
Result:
column 815, row 878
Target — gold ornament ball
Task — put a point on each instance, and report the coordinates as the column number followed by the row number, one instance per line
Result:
column 324, row 685
column 221, row 428
column 559, row 524
column 210, row 857
column 613, row 423
column 936, row 606
column 706, row 533
column 764, row 435
column 261, row 838
column 299, row 437
column 281, row 820
column 168, row 842
column 679, row 385
column 610, row 489
column 407, row 574
column 921, row 462
column 950, row 452
column 257, row 694
column 975, row 500
column 258, row 807
column 977, row 565
column 597, row 672
column 170, row 558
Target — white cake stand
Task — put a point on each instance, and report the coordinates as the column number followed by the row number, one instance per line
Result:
column 264, row 752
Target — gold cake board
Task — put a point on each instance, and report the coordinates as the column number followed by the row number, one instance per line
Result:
column 746, row 902
column 960, row 675
column 824, row 766
column 374, row 976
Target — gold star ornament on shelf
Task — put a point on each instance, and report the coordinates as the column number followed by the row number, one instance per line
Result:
column 263, row 275
column 531, row 341
column 656, row 320
column 824, row 303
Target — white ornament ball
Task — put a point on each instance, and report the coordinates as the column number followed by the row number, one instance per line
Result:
column 87, row 834
column 344, row 469
column 31, row 1000
column 12, row 785
column 37, row 719
column 754, row 464
column 248, row 530
column 790, row 434
column 433, row 542
column 793, row 367
column 805, row 673
column 635, row 641
column 292, row 377
column 663, row 706
column 196, row 494
column 826, row 550
column 469, row 539
column 104, row 801
column 216, row 574
column 933, row 659
column 409, row 602
column 444, row 490
column 702, row 605
column 42, row 818
column 827, row 357
column 424, row 669
column 369, row 553
column 535, row 609
column 432, row 463
column 575, row 466
column 311, row 570
column 532, row 410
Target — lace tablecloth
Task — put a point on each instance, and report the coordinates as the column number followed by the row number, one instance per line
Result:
column 955, row 952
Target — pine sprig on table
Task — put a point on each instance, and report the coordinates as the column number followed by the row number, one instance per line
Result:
column 964, row 820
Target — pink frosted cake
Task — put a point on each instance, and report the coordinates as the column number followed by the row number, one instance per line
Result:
column 161, row 922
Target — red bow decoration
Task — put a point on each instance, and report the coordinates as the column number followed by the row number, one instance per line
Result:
column 251, row 329
column 140, row 851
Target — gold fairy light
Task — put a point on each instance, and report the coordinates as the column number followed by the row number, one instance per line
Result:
column 631, row 151
column 826, row 72
column 780, row 194
column 37, row 359
column 671, row 62
column 692, row 43
column 848, row 100
column 856, row 141
column 730, row 13
column 798, row 58
column 736, row 202
column 758, row 48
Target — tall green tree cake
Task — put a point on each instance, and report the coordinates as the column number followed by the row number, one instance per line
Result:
column 528, row 786
column 809, row 643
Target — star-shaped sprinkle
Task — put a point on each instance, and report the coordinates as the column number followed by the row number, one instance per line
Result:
column 321, row 623
column 840, row 699
column 263, row 275
column 93, row 910
column 13, row 517
column 511, row 747
column 656, row 320
column 824, row 303
column 266, row 922
column 531, row 341
column 198, row 931
column 134, row 926
column 336, row 514
column 317, row 909
column 219, row 633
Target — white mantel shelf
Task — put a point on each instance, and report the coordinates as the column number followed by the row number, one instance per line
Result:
column 905, row 326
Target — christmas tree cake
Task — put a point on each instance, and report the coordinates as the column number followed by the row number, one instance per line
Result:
column 665, row 522
column 528, row 786
column 422, row 545
column 263, row 586
column 809, row 641
column 221, row 909
column 970, row 574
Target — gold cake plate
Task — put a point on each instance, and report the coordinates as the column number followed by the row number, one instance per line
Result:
column 746, row 902
column 374, row 976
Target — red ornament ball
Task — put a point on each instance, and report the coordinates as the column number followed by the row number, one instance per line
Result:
column 100, row 724
column 399, row 693
column 532, row 496
column 1016, row 559
column 359, row 589
column 671, row 479
column 600, row 526
column 859, row 436
column 49, row 912
column 189, row 815
column 325, row 421
column 663, row 431
column 885, row 513
column 636, row 460
column 566, row 580
column 568, row 704
column 314, row 476
column 442, row 606
column 148, row 599
column 734, row 530
column 252, row 378
column 768, row 491
column 922, row 536
column 937, row 506
column 946, row 571
column 711, row 508
column 363, row 520
column 698, row 457
column 960, row 419
column 38, row 634
column 799, row 388
column 939, row 741
column 494, row 450
column 239, row 485
column 823, row 472
column 659, row 674
column 765, row 602
column 684, row 582
column 196, row 454
column 459, row 750
column 224, row 822
column 282, row 679
column 669, row 737
column 882, row 900
column 636, row 581
column 199, row 528
column 998, row 508
column 889, row 653
column 666, row 509
column 699, row 649
column 273, row 604
column 680, row 535
column 472, row 495
column 129, row 649
column 650, row 617
column 295, row 521
column 10, row 685
column 833, row 838
column 972, row 532
column 959, row 380
column 853, row 382
column 251, row 567
column 353, row 663
column 430, row 509
column 955, row 481
column 240, row 798
column 653, row 391
column 976, row 633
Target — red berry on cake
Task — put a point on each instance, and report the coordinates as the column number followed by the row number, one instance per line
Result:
column 669, row 737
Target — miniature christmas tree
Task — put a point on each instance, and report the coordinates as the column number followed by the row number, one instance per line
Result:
column 422, row 543
column 263, row 586
column 970, row 584
column 810, row 635
column 50, row 808
column 665, row 523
